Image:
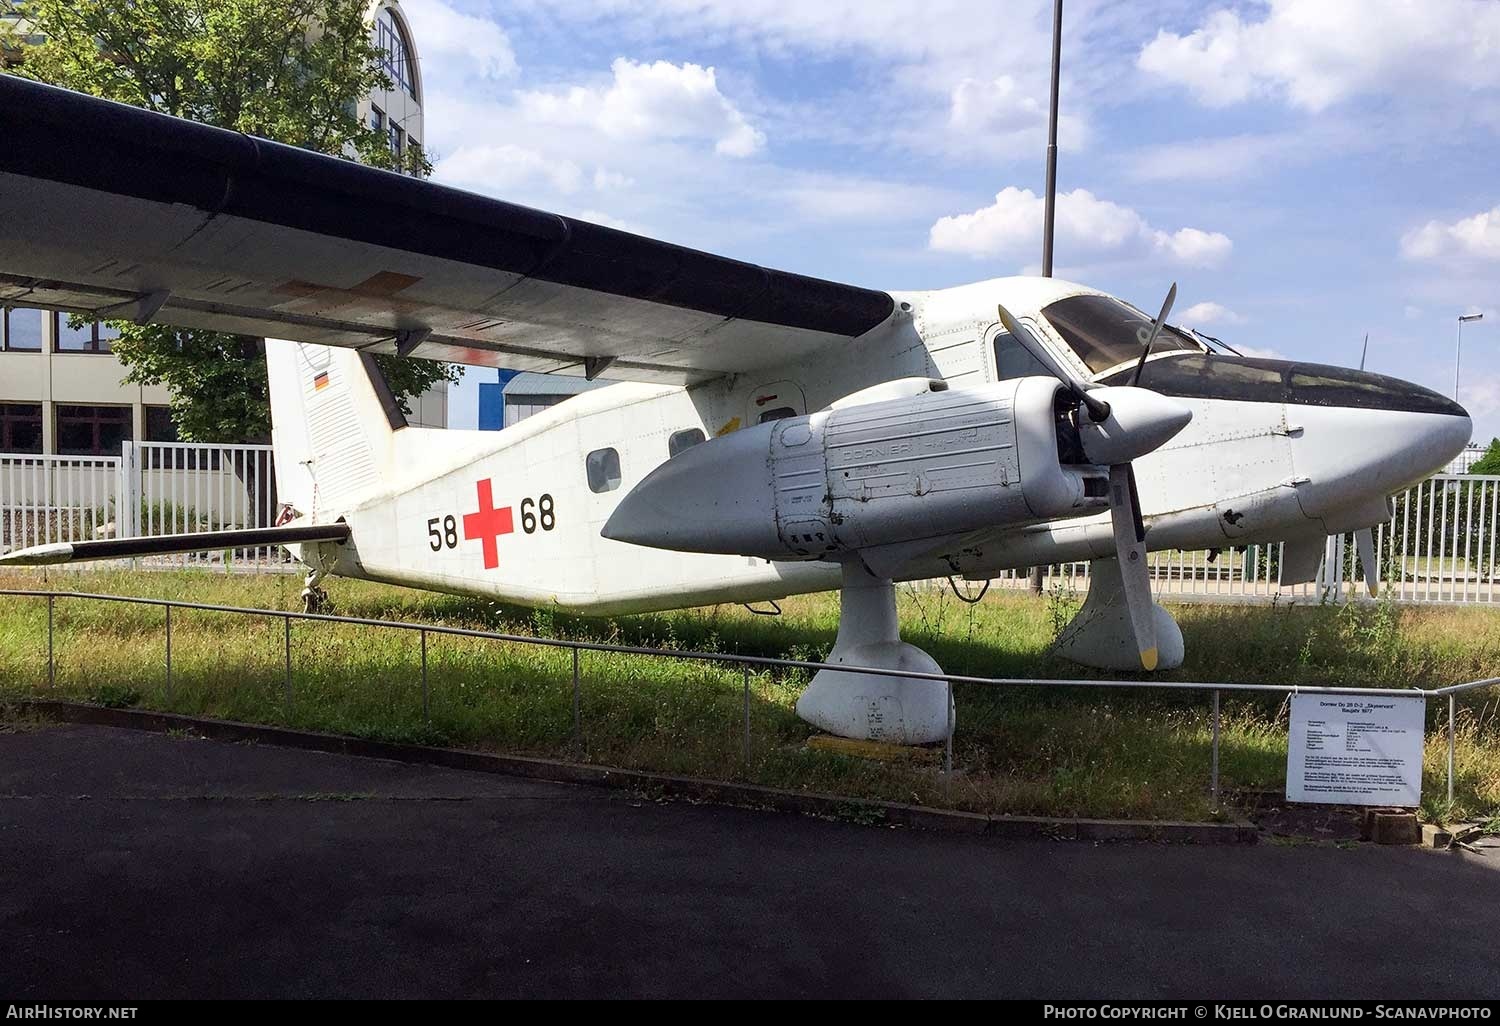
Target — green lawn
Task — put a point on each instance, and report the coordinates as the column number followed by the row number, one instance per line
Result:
column 1039, row 749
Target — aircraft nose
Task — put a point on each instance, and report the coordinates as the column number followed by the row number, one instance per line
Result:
column 1366, row 435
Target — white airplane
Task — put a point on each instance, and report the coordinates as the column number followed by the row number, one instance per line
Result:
column 771, row 434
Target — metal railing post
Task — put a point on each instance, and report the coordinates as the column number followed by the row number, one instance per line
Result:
column 948, row 745
column 1215, row 778
column 1451, row 700
column 577, row 714
column 51, row 660
column 426, row 707
column 286, row 621
column 746, row 751
column 169, row 652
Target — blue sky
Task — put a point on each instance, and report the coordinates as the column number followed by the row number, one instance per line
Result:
column 1306, row 170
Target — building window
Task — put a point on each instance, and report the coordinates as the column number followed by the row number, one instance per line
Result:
column 682, row 440
column 159, row 425
column 91, row 337
column 397, row 59
column 21, row 330
column 398, row 140
column 603, row 466
column 20, row 427
column 92, row 430
column 377, row 118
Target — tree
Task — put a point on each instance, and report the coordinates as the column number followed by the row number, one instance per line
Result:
column 1489, row 463
column 289, row 70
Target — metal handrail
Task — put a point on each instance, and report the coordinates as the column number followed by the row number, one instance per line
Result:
column 753, row 660
column 745, row 661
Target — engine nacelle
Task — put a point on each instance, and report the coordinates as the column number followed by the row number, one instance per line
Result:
column 850, row 478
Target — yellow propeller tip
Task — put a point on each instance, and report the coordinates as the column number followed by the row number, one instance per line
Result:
column 1148, row 659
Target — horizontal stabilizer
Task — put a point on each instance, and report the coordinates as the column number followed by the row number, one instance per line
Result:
column 165, row 544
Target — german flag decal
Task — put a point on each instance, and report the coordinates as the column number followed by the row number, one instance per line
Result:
column 320, row 381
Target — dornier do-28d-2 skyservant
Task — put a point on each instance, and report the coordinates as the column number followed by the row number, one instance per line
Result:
column 771, row 434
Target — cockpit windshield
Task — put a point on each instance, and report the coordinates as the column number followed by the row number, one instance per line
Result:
column 1105, row 332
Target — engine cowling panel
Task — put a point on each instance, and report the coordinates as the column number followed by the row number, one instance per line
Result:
column 930, row 465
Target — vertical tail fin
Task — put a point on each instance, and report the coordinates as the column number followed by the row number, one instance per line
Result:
column 333, row 425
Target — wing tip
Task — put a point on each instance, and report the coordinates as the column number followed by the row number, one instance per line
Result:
column 1148, row 659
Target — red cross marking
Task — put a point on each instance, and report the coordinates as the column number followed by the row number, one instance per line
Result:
column 488, row 524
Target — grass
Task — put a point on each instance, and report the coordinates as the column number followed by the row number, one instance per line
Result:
column 1024, row 750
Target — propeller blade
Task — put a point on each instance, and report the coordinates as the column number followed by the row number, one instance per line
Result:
column 1149, row 339
column 1365, row 539
column 1098, row 409
column 1130, row 550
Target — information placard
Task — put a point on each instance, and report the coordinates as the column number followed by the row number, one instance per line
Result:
column 1355, row 751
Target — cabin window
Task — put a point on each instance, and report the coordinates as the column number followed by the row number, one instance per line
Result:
column 1106, row 333
column 1013, row 360
column 780, row 413
column 603, row 466
column 684, row 440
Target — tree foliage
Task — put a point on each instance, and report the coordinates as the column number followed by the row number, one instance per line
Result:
column 1489, row 463
column 294, row 71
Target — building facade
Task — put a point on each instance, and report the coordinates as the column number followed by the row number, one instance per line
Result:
column 62, row 390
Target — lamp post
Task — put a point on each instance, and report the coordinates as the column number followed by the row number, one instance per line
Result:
column 1458, row 347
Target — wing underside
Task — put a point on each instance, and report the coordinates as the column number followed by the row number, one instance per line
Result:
column 121, row 213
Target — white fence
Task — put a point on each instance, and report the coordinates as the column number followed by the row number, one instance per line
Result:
column 1441, row 545
column 151, row 488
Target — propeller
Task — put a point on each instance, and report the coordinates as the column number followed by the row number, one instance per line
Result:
column 1123, row 422
column 1148, row 339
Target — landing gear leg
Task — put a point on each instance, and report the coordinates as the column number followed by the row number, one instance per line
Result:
column 314, row 597
column 900, row 710
column 1101, row 635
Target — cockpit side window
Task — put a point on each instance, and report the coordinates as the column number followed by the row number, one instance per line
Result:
column 1013, row 360
column 1106, row 333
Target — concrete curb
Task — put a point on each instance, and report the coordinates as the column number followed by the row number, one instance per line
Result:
column 719, row 792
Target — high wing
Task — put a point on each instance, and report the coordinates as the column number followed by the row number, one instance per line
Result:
column 163, row 544
column 121, row 213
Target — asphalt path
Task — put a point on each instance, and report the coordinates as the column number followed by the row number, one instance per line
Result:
column 137, row 865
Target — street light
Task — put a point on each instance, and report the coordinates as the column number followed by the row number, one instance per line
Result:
column 1458, row 347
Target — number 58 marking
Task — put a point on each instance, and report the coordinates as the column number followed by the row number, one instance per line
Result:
column 447, row 537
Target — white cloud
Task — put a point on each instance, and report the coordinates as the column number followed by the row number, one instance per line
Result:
column 1201, row 315
column 651, row 101
column 609, row 181
column 1087, row 228
column 1316, row 53
column 443, row 34
column 503, row 169
column 1476, row 238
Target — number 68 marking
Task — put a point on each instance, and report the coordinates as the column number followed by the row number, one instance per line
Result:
column 529, row 510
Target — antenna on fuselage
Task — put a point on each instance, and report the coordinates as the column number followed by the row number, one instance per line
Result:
column 1364, row 352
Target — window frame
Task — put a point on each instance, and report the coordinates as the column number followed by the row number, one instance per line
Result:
column 595, row 463
column 9, row 417
column 41, row 335
column 95, row 346
column 95, row 422
column 675, row 447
